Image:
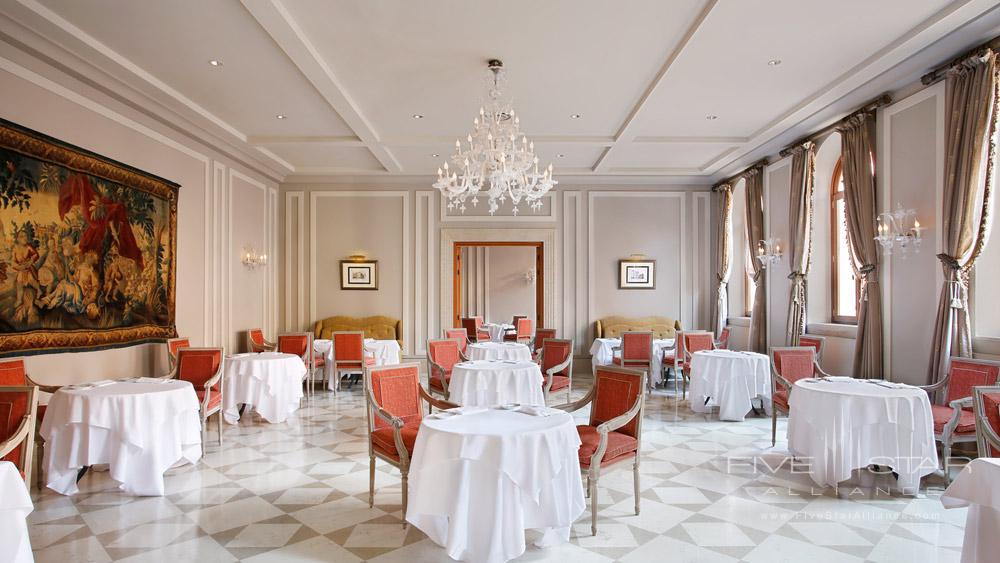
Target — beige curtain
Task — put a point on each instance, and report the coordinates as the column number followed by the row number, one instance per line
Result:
column 800, row 219
column 723, row 258
column 858, row 168
column 755, row 233
column 970, row 124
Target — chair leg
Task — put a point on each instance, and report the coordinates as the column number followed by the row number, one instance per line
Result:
column 635, row 478
column 593, row 501
column 220, row 427
column 406, row 492
column 774, row 426
column 371, row 481
column 945, row 454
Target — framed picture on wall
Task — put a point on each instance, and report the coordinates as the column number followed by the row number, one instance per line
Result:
column 636, row 274
column 359, row 275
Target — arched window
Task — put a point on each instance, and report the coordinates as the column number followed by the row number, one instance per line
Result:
column 846, row 287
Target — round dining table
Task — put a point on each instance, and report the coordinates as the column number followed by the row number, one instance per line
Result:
column 496, row 382
column 978, row 487
column 602, row 352
column 139, row 427
column 499, row 351
column 269, row 381
column 15, row 506
column 385, row 352
column 730, row 380
column 480, row 477
column 838, row 424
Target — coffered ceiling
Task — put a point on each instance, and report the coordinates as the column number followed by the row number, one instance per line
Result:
column 643, row 76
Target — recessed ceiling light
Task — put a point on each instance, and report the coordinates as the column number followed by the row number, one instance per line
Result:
column 215, row 62
column 711, row 117
column 281, row 116
column 561, row 155
column 576, row 116
column 417, row 116
column 774, row 62
column 435, row 155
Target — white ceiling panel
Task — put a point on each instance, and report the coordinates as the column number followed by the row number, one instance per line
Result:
column 667, row 155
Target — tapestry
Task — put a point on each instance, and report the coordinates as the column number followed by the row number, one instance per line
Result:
column 87, row 249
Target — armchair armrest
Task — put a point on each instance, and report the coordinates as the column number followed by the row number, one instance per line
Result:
column 172, row 374
column 933, row 388
column 579, row 404
column 818, row 370
column 440, row 404
column 438, row 369
column 964, row 402
column 45, row 388
column 20, row 436
column 554, row 370
column 385, row 415
column 622, row 419
column 956, row 413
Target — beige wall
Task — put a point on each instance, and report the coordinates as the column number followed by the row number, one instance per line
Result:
column 508, row 292
column 220, row 204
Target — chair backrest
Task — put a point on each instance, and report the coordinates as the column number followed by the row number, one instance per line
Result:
column 541, row 335
column 987, row 408
column 794, row 362
column 458, row 335
column 479, row 321
column 516, row 318
column 554, row 352
column 966, row 373
column 637, row 346
column 256, row 336
column 615, row 391
column 524, row 328
column 696, row 341
column 724, row 338
column 348, row 346
column 18, row 404
column 443, row 353
column 297, row 343
column 396, row 390
column 175, row 344
column 470, row 325
column 12, row 372
column 815, row 342
column 198, row 365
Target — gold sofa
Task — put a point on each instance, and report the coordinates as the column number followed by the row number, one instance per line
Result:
column 377, row 327
column 613, row 327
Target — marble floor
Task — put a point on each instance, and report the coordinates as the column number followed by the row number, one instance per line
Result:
column 298, row 492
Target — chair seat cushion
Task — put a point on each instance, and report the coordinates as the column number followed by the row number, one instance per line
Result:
column 435, row 382
column 942, row 414
column 619, row 445
column 214, row 401
column 559, row 382
column 369, row 361
column 383, row 440
column 781, row 398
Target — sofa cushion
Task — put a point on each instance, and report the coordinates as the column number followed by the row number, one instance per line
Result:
column 378, row 327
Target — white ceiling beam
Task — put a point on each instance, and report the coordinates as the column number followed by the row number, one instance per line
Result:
column 277, row 21
column 623, row 131
column 344, row 141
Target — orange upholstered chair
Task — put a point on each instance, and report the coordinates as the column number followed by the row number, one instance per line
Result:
column 954, row 422
column 349, row 356
column 18, row 405
column 173, row 345
column 12, row 372
column 471, row 326
column 300, row 344
column 524, row 330
column 723, row 342
column 557, row 366
column 816, row 342
column 203, row 368
column 691, row 341
column 462, row 337
column 511, row 333
column 257, row 343
column 635, row 351
column 614, row 432
column 541, row 335
column 442, row 355
column 987, row 410
column 788, row 365
column 393, row 394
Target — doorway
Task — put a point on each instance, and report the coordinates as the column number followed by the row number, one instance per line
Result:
column 493, row 279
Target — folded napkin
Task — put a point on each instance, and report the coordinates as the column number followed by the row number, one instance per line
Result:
column 838, row 378
column 458, row 411
column 153, row 380
column 890, row 384
column 537, row 410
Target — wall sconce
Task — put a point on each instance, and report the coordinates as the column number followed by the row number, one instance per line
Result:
column 898, row 227
column 530, row 276
column 769, row 252
column 358, row 257
column 252, row 259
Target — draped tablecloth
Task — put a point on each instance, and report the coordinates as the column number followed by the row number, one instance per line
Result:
column 730, row 380
column 842, row 424
column 602, row 352
column 269, row 381
column 500, row 351
column 15, row 506
column 479, row 480
column 497, row 382
column 385, row 352
column 140, row 428
column 978, row 487
column 497, row 330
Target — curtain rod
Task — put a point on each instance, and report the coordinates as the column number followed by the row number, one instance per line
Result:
column 938, row 73
column 883, row 100
column 735, row 177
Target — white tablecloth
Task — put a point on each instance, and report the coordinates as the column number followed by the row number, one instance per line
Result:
column 602, row 352
column 385, row 352
column 498, row 382
column 500, row 351
column 729, row 380
column 477, row 481
column 139, row 428
column 978, row 487
column 15, row 506
column 269, row 381
column 497, row 330
column 837, row 426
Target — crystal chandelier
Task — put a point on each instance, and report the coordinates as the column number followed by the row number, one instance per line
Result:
column 899, row 227
column 497, row 158
column 769, row 252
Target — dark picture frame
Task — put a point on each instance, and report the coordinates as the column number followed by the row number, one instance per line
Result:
column 359, row 274
column 636, row 274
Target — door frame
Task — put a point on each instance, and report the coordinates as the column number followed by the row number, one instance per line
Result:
column 539, row 276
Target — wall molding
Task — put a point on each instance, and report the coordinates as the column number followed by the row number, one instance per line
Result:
column 425, row 274
column 295, row 203
column 702, row 258
column 407, row 319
